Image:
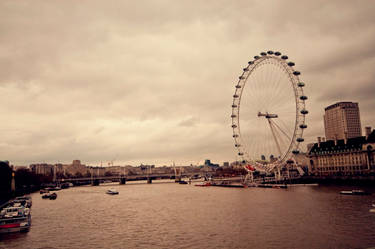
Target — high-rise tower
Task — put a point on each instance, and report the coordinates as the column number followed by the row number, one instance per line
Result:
column 342, row 120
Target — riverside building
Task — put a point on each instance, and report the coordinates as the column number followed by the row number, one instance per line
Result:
column 342, row 120
column 344, row 157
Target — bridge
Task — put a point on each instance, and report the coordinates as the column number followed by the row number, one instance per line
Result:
column 96, row 180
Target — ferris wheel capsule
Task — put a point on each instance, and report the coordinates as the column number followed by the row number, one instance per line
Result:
column 300, row 139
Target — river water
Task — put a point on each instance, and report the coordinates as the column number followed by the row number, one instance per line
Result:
column 169, row 215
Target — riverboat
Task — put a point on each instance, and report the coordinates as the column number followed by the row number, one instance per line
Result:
column 52, row 196
column 354, row 192
column 15, row 217
column 112, row 192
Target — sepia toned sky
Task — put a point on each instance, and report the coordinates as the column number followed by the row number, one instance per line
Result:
column 152, row 81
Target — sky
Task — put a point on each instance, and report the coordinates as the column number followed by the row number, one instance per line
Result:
column 152, row 81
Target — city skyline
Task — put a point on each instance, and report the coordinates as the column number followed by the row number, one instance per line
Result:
column 152, row 83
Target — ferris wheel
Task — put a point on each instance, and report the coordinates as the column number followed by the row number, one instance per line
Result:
column 268, row 112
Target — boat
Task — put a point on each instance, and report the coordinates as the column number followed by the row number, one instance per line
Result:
column 55, row 188
column 205, row 184
column 53, row 196
column 50, row 196
column 182, row 182
column 43, row 191
column 354, row 192
column 15, row 217
column 112, row 192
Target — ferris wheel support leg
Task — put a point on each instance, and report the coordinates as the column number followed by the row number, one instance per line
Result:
column 277, row 175
column 274, row 136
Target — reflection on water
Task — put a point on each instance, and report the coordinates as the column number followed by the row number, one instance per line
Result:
column 171, row 215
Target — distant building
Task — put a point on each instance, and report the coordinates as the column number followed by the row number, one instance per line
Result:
column 42, row 168
column 76, row 169
column 207, row 162
column 345, row 157
column 342, row 120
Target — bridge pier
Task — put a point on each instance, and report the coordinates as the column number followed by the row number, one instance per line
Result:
column 95, row 182
column 149, row 180
column 122, row 180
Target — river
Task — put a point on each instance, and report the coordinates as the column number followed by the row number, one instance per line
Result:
column 169, row 215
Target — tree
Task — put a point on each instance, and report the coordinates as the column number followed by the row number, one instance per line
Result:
column 78, row 175
column 5, row 180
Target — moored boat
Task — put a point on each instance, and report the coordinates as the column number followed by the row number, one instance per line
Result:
column 44, row 191
column 15, row 217
column 24, row 200
column 205, row 184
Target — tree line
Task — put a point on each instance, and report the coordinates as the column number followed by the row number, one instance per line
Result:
column 25, row 181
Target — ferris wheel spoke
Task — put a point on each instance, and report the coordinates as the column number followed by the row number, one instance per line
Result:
column 281, row 130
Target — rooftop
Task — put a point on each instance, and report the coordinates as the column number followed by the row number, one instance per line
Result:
column 351, row 144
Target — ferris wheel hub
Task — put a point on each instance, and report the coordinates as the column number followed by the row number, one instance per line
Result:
column 267, row 115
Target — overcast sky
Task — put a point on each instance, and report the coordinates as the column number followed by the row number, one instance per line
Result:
column 152, row 81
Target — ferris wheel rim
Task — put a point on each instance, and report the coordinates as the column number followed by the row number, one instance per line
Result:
column 300, row 98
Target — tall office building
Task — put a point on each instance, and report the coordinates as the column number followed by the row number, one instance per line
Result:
column 342, row 120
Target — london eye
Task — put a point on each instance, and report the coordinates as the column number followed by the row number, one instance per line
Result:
column 268, row 112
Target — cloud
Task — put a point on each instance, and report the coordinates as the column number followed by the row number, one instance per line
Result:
column 152, row 81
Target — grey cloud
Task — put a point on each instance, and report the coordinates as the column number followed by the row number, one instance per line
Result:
column 152, row 81
column 191, row 121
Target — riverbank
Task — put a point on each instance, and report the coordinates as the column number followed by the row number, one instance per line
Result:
column 338, row 181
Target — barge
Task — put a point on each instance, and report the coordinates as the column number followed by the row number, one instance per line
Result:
column 15, row 216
